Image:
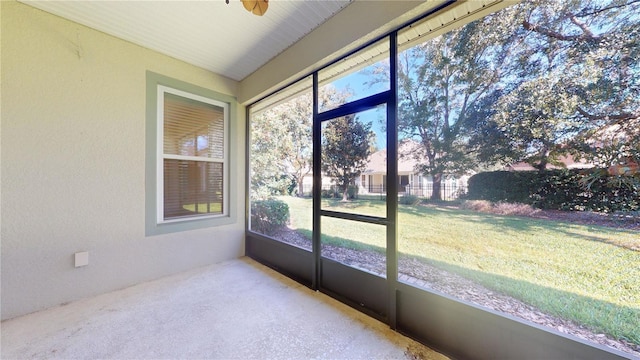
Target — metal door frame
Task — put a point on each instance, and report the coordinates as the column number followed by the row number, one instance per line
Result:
column 452, row 326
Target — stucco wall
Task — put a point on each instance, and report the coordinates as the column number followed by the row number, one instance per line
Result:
column 73, row 164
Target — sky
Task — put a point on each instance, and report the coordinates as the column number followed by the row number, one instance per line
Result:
column 356, row 82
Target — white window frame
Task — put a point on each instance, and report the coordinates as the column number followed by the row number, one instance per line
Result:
column 161, row 156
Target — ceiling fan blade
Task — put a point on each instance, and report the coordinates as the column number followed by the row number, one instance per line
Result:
column 249, row 4
column 261, row 7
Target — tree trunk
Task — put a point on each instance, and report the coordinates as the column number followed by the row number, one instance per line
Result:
column 541, row 166
column 437, row 183
column 300, row 186
column 345, row 193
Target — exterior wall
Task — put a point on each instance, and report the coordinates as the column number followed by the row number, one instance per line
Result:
column 374, row 184
column 419, row 185
column 73, row 164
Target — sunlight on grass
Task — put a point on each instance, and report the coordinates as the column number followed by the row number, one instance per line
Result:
column 362, row 207
column 301, row 211
column 573, row 258
column 340, row 232
column 578, row 272
column 215, row 208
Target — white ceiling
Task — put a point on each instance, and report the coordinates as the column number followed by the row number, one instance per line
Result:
column 223, row 38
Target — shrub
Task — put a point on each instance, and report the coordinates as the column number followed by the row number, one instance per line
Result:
column 567, row 190
column 327, row 194
column 555, row 189
column 408, row 200
column 336, row 192
column 513, row 187
column 477, row 205
column 518, row 209
column 352, row 192
column 269, row 215
column 500, row 208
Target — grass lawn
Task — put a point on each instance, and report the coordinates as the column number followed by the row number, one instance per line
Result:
column 214, row 207
column 577, row 272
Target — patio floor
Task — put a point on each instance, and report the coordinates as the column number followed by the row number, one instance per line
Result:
column 234, row 310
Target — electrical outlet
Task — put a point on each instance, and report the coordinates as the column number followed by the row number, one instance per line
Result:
column 82, row 258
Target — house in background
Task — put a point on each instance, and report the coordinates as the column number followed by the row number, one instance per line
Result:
column 373, row 179
column 82, row 86
column 568, row 162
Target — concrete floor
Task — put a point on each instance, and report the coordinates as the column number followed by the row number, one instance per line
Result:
column 234, row 310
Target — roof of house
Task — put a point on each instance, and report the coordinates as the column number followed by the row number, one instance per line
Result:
column 406, row 161
column 568, row 161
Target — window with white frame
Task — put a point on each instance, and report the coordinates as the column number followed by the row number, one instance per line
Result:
column 192, row 156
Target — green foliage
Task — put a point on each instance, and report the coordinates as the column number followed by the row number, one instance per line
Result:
column 555, row 189
column 281, row 143
column 534, row 82
column 352, row 192
column 269, row 215
column 328, row 193
column 408, row 200
column 495, row 186
column 441, row 84
column 280, row 147
column 338, row 192
column 558, row 267
column 576, row 88
column 537, row 118
column 345, row 149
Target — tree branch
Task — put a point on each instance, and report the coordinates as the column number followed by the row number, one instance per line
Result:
column 586, row 13
column 585, row 29
column 617, row 118
column 556, row 35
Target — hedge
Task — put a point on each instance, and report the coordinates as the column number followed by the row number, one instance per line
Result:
column 554, row 189
column 336, row 192
column 268, row 215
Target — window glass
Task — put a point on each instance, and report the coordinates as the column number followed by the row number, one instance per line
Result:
column 356, row 244
column 355, row 77
column 193, row 156
column 354, row 149
column 188, row 184
column 193, row 128
column 281, row 165
column 519, row 149
column 192, row 188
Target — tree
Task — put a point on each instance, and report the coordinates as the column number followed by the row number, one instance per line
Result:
column 296, row 145
column 532, row 116
column 578, row 83
column 441, row 82
column 281, row 143
column 346, row 146
column 267, row 154
column 280, row 147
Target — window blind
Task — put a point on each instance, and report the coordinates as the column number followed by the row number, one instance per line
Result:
column 193, row 157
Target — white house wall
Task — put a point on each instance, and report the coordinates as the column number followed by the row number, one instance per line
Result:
column 73, row 164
